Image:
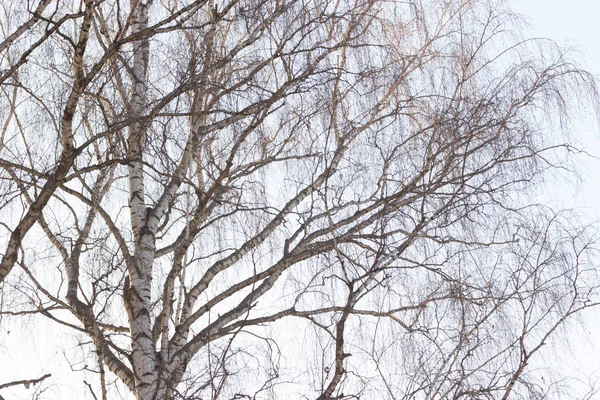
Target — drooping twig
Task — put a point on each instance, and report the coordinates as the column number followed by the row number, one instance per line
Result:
column 26, row 382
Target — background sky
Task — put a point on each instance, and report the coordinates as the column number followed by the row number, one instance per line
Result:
column 573, row 24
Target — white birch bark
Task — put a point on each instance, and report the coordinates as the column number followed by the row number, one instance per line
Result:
column 68, row 154
column 36, row 14
column 138, row 295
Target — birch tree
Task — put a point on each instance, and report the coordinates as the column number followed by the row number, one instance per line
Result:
column 278, row 198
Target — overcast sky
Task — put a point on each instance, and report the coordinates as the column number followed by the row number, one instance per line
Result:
column 572, row 23
column 575, row 24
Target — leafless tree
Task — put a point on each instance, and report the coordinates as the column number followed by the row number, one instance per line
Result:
column 277, row 198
